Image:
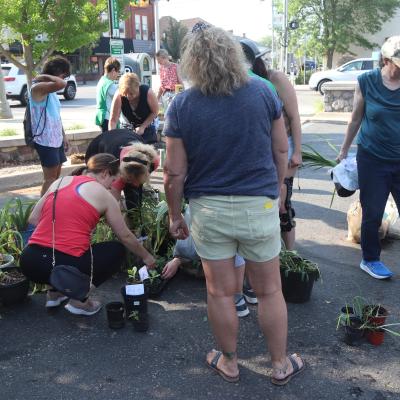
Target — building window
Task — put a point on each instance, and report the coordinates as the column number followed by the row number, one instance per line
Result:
column 145, row 30
column 138, row 30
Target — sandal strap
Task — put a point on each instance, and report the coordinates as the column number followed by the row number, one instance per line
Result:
column 294, row 362
column 215, row 359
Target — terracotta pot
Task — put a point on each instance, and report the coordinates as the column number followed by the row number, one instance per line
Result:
column 375, row 337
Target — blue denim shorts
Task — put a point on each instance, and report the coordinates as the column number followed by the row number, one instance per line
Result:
column 223, row 226
column 50, row 156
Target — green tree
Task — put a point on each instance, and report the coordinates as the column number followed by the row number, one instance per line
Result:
column 335, row 25
column 46, row 26
column 173, row 38
column 266, row 41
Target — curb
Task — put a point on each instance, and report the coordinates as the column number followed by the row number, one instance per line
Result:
column 324, row 121
column 29, row 179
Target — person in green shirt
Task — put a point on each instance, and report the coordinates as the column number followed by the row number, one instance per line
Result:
column 105, row 90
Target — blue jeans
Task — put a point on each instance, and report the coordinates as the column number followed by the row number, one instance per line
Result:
column 377, row 178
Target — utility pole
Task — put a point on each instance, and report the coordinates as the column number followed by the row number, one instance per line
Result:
column 285, row 38
column 156, row 31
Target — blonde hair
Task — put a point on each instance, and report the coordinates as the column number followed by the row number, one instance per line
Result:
column 213, row 62
column 128, row 82
column 135, row 169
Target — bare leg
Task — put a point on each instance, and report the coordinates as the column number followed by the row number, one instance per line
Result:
column 272, row 313
column 50, row 174
column 288, row 238
column 221, row 286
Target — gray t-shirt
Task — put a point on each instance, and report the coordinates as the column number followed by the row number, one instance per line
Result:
column 227, row 140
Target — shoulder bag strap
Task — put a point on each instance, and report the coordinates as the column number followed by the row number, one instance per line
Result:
column 53, row 263
column 40, row 118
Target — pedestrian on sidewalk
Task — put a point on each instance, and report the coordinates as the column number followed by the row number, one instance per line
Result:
column 51, row 143
column 169, row 78
column 137, row 162
column 80, row 203
column 376, row 119
column 291, row 116
column 105, row 91
column 137, row 107
column 227, row 154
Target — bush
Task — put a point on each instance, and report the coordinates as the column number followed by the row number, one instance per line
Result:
column 300, row 78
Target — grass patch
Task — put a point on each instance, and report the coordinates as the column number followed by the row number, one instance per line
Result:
column 8, row 132
column 75, row 126
column 318, row 106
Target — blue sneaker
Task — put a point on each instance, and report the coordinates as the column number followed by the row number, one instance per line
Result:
column 376, row 269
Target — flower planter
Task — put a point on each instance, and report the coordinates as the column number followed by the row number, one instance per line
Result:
column 155, row 287
column 296, row 287
column 345, row 313
column 352, row 332
column 6, row 260
column 115, row 315
column 375, row 337
column 136, row 309
column 375, row 314
column 15, row 288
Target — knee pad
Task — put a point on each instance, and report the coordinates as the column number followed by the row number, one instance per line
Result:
column 287, row 218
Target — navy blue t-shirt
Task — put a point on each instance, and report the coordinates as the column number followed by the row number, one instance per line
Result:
column 227, row 140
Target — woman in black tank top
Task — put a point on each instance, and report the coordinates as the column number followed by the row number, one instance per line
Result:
column 137, row 106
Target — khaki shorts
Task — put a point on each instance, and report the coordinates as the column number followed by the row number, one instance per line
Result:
column 225, row 225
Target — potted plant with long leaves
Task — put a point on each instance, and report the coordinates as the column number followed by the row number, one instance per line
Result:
column 297, row 275
column 19, row 215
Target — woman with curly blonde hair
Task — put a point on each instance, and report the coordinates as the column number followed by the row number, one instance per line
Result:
column 137, row 106
column 137, row 162
column 227, row 153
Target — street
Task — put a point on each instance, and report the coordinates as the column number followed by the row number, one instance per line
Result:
column 80, row 112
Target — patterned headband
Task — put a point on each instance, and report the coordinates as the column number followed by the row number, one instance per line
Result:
column 199, row 27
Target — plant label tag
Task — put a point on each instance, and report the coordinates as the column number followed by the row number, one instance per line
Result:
column 143, row 273
column 134, row 290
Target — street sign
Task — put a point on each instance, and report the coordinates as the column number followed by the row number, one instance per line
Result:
column 113, row 17
column 117, row 51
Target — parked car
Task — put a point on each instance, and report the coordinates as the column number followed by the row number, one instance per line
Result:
column 346, row 72
column 15, row 82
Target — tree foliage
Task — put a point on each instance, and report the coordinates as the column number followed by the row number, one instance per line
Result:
column 173, row 38
column 334, row 25
column 46, row 26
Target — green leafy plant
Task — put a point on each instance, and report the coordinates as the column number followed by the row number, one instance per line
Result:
column 8, row 132
column 19, row 213
column 134, row 316
column 291, row 261
column 314, row 159
column 133, row 275
column 102, row 233
column 11, row 243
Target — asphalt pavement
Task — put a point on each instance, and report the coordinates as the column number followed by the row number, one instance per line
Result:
column 60, row 356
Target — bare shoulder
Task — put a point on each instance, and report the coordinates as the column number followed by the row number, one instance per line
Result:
column 278, row 77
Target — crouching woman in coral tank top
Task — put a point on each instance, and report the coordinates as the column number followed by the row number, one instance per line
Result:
column 80, row 202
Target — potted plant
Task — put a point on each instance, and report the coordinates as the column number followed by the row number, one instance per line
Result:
column 298, row 276
column 14, row 286
column 155, row 284
column 135, row 299
column 115, row 314
column 19, row 215
column 11, row 245
column 350, row 318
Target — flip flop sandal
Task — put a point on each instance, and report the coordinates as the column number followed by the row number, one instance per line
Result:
column 213, row 366
column 296, row 370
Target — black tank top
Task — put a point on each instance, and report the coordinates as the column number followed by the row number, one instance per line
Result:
column 141, row 112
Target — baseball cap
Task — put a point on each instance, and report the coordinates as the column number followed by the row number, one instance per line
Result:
column 391, row 50
column 345, row 176
column 251, row 49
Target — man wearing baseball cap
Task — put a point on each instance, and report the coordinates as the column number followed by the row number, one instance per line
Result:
column 376, row 119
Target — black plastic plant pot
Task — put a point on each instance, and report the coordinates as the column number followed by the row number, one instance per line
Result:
column 296, row 288
column 141, row 322
column 115, row 315
column 346, row 313
column 134, row 303
column 155, row 288
column 14, row 292
column 352, row 332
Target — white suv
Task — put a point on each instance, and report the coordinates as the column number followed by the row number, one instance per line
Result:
column 16, row 86
column 346, row 72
